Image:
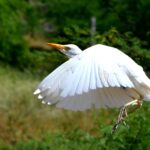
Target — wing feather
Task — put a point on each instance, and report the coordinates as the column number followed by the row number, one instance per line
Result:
column 92, row 78
column 101, row 97
column 99, row 84
column 98, row 77
column 84, row 78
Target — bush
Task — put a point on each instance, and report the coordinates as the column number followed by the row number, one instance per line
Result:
column 12, row 46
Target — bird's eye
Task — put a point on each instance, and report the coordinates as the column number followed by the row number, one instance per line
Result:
column 67, row 48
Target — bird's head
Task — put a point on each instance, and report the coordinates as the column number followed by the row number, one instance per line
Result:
column 70, row 50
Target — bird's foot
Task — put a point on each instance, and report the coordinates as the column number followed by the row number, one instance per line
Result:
column 121, row 118
column 123, row 113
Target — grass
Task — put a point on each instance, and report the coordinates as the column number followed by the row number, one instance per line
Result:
column 26, row 124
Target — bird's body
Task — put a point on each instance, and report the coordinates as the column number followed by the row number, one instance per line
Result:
column 100, row 76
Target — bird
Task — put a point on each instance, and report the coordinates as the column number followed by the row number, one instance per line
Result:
column 100, row 76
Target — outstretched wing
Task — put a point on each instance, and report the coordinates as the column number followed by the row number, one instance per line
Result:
column 100, row 76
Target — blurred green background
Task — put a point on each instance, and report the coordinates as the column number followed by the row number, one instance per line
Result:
column 25, row 28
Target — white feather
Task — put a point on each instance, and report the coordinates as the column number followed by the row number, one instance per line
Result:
column 100, row 76
column 40, row 97
column 83, row 80
column 37, row 92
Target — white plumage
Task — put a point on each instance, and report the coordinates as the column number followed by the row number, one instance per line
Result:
column 100, row 76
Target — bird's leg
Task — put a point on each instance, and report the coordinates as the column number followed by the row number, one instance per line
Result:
column 123, row 112
column 137, row 104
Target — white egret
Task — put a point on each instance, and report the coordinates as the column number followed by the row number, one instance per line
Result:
column 100, row 76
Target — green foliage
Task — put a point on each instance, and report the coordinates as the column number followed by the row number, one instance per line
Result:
column 133, row 137
column 41, row 63
column 12, row 46
column 27, row 124
column 69, row 22
column 126, row 16
column 74, row 34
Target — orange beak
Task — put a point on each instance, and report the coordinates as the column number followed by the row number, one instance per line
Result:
column 57, row 46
